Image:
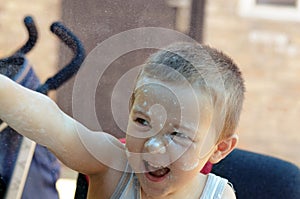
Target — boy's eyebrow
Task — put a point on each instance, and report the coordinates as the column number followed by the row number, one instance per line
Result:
column 139, row 110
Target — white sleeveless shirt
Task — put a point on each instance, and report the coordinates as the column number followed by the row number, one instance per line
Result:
column 214, row 187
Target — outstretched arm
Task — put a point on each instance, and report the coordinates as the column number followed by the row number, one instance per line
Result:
column 37, row 117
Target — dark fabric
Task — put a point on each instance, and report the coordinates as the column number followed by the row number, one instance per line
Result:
column 43, row 174
column 2, row 187
column 81, row 187
column 259, row 176
column 44, row 168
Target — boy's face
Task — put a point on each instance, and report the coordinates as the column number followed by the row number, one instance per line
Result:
column 169, row 138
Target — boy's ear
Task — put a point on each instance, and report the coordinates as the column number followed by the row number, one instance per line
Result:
column 223, row 148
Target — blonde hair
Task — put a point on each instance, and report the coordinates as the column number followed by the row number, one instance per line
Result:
column 207, row 68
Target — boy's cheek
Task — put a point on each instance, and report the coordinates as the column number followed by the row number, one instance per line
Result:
column 136, row 163
column 134, row 145
column 186, row 158
column 188, row 162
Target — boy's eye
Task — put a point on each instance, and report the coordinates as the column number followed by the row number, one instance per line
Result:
column 180, row 135
column 141, row 121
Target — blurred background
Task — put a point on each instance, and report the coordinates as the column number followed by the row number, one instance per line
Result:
column 262, row 36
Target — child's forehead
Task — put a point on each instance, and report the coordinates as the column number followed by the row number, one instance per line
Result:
column 146, row 84
column 148, row 88
column 159, row 92
column 171, row 96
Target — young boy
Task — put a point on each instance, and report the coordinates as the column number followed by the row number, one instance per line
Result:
column 183, row 113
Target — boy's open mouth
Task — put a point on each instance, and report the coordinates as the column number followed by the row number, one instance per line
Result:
column 155, row 173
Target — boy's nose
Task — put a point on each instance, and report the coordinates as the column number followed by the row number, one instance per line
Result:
column 155, row 145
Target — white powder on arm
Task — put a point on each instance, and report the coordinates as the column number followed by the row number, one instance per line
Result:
column 37, row 117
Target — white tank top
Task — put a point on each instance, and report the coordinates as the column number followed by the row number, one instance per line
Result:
column 214, row 187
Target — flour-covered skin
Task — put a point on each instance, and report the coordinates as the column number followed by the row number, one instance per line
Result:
column 14, row 108
column 176, row 125
column 37, row 117
column 175, row 141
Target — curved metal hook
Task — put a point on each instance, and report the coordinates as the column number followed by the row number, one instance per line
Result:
column 33, row 36
column 72, row 67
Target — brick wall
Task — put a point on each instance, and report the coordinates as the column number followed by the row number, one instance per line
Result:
column 268, row 53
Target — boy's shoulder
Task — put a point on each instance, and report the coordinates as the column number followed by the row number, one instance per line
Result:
column 217, row 187
column 228, row 192
column 104, row 184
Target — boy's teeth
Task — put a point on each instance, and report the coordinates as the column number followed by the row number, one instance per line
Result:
column 160, row 172
column 157, row 171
